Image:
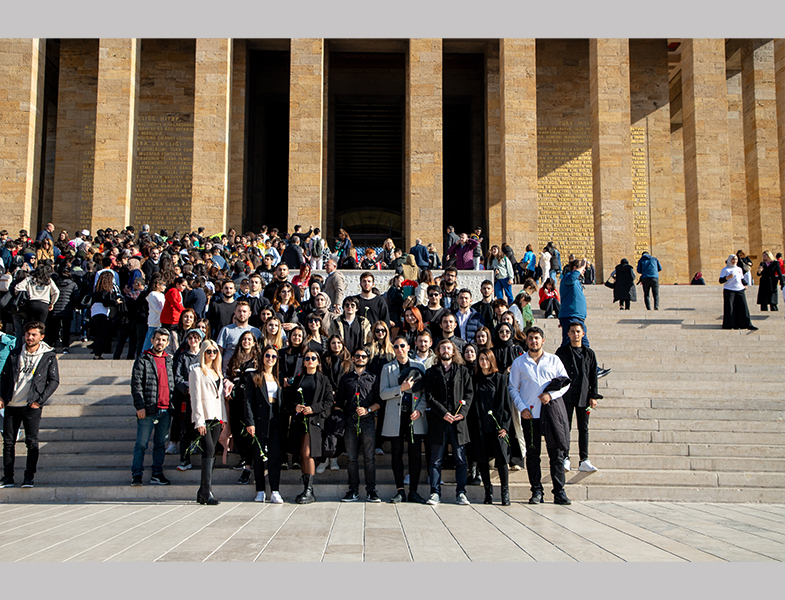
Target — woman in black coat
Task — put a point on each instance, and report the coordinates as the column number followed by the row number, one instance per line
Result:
column 770, row 278
column 310, row 399
column 265, row 423
column 491, row 434
column 505, row 350
column 624, row 286
column 63, row 312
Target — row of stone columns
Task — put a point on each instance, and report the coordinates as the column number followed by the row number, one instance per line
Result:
column 511, row 143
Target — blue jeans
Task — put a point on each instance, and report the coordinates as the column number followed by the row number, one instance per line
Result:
column 148, row 339
column 502, row 288
column 552, row 274
column 144, row 427
column 565, row 326
column 458, row 452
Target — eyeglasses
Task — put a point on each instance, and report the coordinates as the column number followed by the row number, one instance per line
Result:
column 310, row 359
column 211, row 351
column 400, row 345
column 271, row 356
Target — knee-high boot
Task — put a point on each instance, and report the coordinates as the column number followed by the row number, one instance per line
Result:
column 307, row 496
column 488, row 494
column 205, row 493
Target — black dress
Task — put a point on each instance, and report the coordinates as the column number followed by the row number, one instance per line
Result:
column 770, row 279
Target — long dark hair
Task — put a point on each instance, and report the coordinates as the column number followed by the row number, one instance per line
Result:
column 42, row 275
column 258, row 378
column 238, row 361
column 105, row 282
column 343, row 356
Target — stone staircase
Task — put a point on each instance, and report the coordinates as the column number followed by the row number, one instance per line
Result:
column 690, row 413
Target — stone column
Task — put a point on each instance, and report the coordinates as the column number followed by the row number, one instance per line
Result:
column 115, row 132
column 609, row 84
column 518, row 75
column 237, row 125
column 306, row 81
column 650, row 115
column 72, row 206
column 764, row 206
column 493, row 147
column 423, row 201
column 706, row 179
column 21, row 120
column 212, row 109
column 779, row 78
column 736, row 162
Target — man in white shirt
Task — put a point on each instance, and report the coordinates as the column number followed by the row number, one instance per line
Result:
column 530, row 374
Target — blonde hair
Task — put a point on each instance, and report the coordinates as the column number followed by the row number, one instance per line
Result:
column 385, row 349
column 276, row 340
column 769, row 255
column 215, row 364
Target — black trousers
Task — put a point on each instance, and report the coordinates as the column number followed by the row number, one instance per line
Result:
column 550, row 306
column 102, row 336
column 14, row 418
column 355, row 444
column 274, row 443
column 624, row 305
column 653, row 284
column 487, row 448
column 532, row 435
column 415, row 456
column 58, row 327
column 242, row 443
column 127, row 333
column 582, row 418
column 37, row 310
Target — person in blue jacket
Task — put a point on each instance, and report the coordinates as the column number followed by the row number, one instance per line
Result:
column 420, row 253
column 649, row 268
column 573, row 301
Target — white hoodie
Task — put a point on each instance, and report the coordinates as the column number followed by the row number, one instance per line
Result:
column 28, row 363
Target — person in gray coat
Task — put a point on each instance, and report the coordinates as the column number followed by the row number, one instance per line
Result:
column 400, row 386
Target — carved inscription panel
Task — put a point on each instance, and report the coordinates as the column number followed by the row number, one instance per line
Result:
column 164, row 167
column 640, row 190
column 564, row 188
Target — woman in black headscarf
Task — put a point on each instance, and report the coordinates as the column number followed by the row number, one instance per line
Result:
column 505, row 350
column 624, row 284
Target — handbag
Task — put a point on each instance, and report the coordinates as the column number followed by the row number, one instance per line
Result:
column 18, row 301
column 610, row 284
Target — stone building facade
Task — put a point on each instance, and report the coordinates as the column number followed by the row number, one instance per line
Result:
column 607, row 147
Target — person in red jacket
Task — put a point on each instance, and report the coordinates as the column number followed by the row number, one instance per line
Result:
column 173, row 305
column 549, row 299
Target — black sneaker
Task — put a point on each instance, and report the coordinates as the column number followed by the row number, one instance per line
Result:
column 400, row 496
column 561, row 499
column 245, row 477
column 536, row 498
column 159, row 479
column 136, row 480
column 416, row 498
column 239, row 466
column 28, row 482
column 6, row 482
column 350, row 497
column 373, row 497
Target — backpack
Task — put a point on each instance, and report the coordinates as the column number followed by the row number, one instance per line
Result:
column 318, row 247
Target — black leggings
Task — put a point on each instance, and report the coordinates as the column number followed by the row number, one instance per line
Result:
column 102, row 336
column 242, row 443
column 37, row 310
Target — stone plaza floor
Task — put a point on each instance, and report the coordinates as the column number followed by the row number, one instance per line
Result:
column 335, row 531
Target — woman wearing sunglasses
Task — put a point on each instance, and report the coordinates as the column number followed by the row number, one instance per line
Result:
column 310, row 398
column 266, row 425
column 208, row 412
column 315, row 340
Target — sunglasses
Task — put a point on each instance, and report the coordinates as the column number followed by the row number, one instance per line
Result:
column 310, row 359
column 400, row 346
column 271, row 356
column 360, row 356
column 434, row 295
column 380, row 331
column 314, row 320
column 211, row 351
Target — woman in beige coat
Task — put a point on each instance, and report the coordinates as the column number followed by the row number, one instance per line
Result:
column 208, row 412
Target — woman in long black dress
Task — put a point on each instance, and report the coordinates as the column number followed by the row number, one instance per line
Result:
column 736, row 314
column 770, row 278
column 310, row 399
column 336, row 363
column 265, row 421
column 624, row 285
column 490, row 424
column 244, row 362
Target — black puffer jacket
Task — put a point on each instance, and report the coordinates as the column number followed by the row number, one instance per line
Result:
column 69, row 297
column 144, row 382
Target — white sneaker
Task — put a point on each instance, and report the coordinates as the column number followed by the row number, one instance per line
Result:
column 567, row 465
column 275, row 498
column 406, row 480
column 334, row 464
column 586, row 466
column 433, row 499
column 259, row 497
column 462, row 499
column 172, row 448
column 321, row 467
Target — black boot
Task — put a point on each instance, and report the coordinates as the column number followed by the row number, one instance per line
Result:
column 205, row 493
column 488, row 494
column 505, row 495
column 474, row 476
column 307, row 496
